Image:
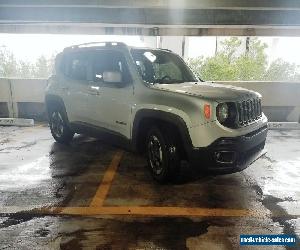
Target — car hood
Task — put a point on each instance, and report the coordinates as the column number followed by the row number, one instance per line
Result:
column 208, row 90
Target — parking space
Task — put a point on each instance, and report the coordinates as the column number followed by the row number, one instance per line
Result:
column 92, row 195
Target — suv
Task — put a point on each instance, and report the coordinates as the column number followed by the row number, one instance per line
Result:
column 148, row 100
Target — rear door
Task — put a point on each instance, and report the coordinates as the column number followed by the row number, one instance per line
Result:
column 75, row 86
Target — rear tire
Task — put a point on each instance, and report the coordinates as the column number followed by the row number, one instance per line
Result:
column 59, row 126
column 162, row 155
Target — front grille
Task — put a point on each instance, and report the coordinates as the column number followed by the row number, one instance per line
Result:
column 249, row 111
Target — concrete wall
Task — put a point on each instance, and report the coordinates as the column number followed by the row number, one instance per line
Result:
column 25, row 98
column 281, row 100
column 5, row 99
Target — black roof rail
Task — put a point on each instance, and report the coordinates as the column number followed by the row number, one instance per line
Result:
column 166, row 50
column 95, row 44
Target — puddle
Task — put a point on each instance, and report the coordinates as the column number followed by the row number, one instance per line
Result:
column 285, row 181
column 27, row 175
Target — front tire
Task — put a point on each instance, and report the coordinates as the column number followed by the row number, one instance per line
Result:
column 59, row 126
column 162, row 155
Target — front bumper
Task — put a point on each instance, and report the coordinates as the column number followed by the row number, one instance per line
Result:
column 230, row 154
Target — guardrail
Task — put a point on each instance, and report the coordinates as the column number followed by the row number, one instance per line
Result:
column 281, row 100
column 24, row 98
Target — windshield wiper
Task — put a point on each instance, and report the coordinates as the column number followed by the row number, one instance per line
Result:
column 178, row 81
column 171, row 81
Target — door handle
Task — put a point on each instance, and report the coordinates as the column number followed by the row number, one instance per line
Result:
column 94, row 90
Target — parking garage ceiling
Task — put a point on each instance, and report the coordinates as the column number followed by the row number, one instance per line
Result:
column 156, row 17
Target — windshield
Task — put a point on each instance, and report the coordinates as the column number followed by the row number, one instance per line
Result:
column 158, row 66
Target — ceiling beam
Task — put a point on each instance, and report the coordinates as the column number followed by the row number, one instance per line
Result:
column 171, row 17
column 98, row 29
column 187, row 4
column 126, row 16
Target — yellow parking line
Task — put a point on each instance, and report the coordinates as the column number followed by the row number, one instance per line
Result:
column 104, row 187
column 144, row 211
column 32, row 128
column 153, row 211
column 37, row 126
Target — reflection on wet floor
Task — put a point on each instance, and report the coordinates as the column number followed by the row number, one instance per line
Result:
column 27, row 175
column 37, row 172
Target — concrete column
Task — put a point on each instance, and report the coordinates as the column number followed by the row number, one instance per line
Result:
column 5, row 95
column 186, row 47
column 159, row 42
column 174, row 43
column 149, row 41
column 14, row 113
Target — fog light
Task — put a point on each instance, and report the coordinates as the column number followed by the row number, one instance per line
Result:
column 225, row 156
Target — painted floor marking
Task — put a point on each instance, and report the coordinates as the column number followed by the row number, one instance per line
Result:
column 152, row 211
column 144, row 212
column 96, row 207
column 107, row 180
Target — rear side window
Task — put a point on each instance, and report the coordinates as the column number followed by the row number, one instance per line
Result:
column 77, row 66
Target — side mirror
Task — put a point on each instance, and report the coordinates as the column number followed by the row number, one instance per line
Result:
column 112, row 76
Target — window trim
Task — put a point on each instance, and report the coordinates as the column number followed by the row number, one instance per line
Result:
column 140, row 50
column 126, row 66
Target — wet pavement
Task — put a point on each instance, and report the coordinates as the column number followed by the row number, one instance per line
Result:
column 42, row 183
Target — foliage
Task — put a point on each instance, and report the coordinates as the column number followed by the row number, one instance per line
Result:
column 8, row 63
column 279, row 69
column 233, row 63
column 11, row 67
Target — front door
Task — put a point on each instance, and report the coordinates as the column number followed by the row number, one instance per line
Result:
column 111, row 108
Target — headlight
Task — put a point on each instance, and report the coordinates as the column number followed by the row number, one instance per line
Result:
column 222, row 112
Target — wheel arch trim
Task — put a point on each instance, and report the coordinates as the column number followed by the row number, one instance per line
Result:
column 164, row 116
column 55, row 99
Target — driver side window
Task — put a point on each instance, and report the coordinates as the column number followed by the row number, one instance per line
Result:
column 108, row 62
column 78, row 66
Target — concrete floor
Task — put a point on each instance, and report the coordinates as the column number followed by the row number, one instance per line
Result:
column 77, row 197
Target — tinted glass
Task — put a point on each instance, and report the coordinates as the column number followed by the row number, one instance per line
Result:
column 109, row 61
column 78, row 66
column 158, row 66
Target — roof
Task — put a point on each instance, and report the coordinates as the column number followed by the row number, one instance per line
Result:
column 106, row 44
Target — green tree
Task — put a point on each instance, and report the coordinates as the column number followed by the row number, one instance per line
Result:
column 252, row 64
column 25, row 69
column 229, row 48
column 233, row 62
column 280, row 70
column 217, row 68
column 8, row 63
column 11, row 67
column 42, row 68
column 196, row 65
